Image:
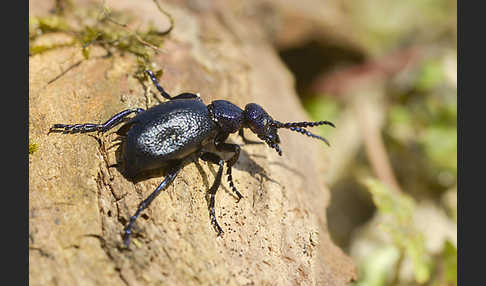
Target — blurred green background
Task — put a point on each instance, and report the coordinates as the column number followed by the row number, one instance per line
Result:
column 389, row 83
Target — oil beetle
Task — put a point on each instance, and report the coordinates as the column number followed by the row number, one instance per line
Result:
column 165, row 135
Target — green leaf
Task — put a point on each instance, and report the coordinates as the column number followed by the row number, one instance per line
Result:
column 377, row 267
column 440, row 145
column 398, row 208
column 321, row 107
column 401, row 124
column 450, row 262
column 431, row 75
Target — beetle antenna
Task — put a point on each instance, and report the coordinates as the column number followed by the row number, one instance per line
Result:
column 297, row 127
column 310, row 134
column 302, row 124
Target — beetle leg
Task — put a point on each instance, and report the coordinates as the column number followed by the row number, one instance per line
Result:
column 157, row 85
column 164, row 93
column 145, row 203
column 91, row 127
column 226, row 147
column 213, row 158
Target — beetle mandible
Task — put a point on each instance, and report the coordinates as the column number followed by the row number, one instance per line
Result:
column 164, row 135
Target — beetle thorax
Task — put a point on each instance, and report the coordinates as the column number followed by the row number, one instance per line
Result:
column 226, row 115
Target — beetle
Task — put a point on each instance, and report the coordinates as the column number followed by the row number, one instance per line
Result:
column 165, row 135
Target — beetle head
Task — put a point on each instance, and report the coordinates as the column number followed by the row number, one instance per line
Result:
column 262, row 125
column 265, row 127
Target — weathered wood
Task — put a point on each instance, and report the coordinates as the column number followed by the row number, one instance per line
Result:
column 78, row 206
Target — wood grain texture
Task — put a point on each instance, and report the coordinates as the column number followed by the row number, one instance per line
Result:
column 78, row 205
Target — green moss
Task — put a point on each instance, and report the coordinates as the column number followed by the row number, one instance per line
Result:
column 104, row 28
column 35, row 48
column 32, row 148
column 46, row 24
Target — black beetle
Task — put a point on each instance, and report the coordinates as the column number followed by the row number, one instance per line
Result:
column 168, row 133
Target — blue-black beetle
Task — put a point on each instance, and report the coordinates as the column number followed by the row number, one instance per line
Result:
column 166, row 134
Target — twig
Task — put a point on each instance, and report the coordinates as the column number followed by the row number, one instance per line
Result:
column 171, row 20
column 107, row 16
column 374, row 146
column 64, row 72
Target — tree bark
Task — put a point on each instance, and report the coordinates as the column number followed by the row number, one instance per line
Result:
column 78, row 205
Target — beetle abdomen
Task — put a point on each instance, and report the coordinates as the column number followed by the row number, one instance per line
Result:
column 169, row 131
